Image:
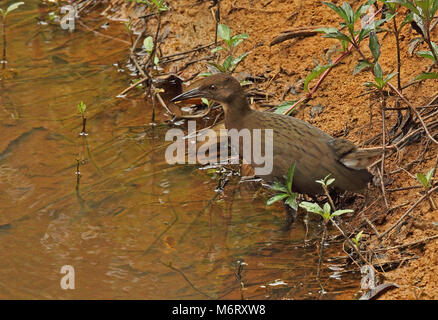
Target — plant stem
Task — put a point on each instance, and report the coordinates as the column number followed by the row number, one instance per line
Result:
column 4, row 43
column 427, row 39
column 321, row 252
column 397, row 42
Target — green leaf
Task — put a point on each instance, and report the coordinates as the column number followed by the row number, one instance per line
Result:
column 378, row 73
column 276, row 198
column 316, row 72
column 290, row 177
column 148, row 44
column 337, row 35
column 13, row 7
column 330, row 181
column 423, row 180
column 374, row 46
column 430, row 174
column 327, row 30
column 236, row 43
column 227, row 63
column 360, row 66
column 311, row 207
column 239, row 37
column 277, row 186
column 338, row 10
column 282, row 108
column 426, row 54
column 389, row 77
column 217, row 49
column 434, row 8
column 224, row 32
column 205, row 101
column 291, row 201
column 363, row 9
column 156, row 60
column 82, row 107
column 407, row 4
column 327, row 209
column 218, row 66
column 348, row 11
column 359, row 236
column 340, row 212
column 370, row 84
column 236, row 61
column 408, row 19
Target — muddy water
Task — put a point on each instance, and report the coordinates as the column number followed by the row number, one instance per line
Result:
column 133, row 227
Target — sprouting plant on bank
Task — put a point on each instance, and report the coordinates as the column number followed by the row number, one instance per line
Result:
column 426, row 182
column 357, row 238
column 284, row 191
column 352, row 35
column 81, row 109
column 230, row 43
column 4, row 13
column 421, row 15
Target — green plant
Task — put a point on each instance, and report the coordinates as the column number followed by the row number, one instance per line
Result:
column 3, row 14
column 284, row 191
column 422, row 12
column 231, row 42
column 325, row 212
column 426, row 182
column 11, row 8
column 356, row 239
column 316, row 72
column 81, row 109
column 354, row 36
column 284, row 107
column 148, row 46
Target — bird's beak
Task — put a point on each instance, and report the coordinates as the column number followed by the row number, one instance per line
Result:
column 193, row 93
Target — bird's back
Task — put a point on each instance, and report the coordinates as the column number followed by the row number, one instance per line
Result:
column 315, row 153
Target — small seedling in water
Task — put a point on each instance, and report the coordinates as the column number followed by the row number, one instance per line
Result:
column 425, row 180
column 325, row 212
column 81, row 108
column 285, row 191
column 3, row 14
column 231, row 42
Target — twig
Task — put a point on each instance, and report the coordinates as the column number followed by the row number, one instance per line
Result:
column 426, row 195
column 407, row 244
column 415, row 111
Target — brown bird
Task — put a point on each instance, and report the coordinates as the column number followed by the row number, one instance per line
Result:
column 315, row 153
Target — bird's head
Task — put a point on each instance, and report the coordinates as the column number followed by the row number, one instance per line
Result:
column 220, row 87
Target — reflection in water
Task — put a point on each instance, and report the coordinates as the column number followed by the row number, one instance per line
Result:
column 131, row 225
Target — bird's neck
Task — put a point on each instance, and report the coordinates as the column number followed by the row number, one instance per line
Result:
column 236, row 110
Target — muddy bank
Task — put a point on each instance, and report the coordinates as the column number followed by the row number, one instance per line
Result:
column 345, row 108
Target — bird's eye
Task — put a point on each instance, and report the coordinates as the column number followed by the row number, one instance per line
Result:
column 212, row 87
